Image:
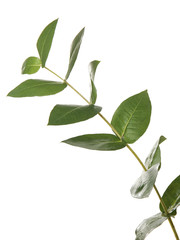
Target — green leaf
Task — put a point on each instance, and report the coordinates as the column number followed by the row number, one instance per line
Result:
column 93, row 93
column 104, row 142
column 45, row 40
column 171, row 196
column 75, row 46
column 36, row 87
column 144, row 184
column 154, row 156
column 67, row 114
column 132, row 117
column 92, row 70
column 148, row 225
column 31, row 65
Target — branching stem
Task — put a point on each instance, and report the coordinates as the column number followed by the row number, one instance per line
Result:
column 130, row 149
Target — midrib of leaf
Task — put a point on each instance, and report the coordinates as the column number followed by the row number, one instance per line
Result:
column 131, row 117
column 111, row 141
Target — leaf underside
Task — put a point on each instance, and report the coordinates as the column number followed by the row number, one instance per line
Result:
column 103, row 142
column 67, row 114
column 148, row 225
column 144, row 184
column 154, row 156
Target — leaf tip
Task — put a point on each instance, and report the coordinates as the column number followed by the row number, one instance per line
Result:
column 162, row 138
column 82, row 31
column 10, row 94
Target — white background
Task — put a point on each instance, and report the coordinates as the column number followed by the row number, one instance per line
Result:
column 49, row 190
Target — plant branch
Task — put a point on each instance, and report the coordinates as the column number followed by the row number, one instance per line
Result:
column 158, row 194
column 130, row 149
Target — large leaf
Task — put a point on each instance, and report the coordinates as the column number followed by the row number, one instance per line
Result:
column 31, row 65
column 75, row 46
column 144, row 184
column 171, row 196
column 92, row 70
column 104, row 142
column 36, row 87
column 45, row 40
column 154, row 156
column 132, row 117
column 67, row 114
column 148, row 225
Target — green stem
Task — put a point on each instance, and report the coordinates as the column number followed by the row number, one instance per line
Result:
column 130, row 149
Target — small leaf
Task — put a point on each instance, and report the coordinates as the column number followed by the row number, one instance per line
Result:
column 104, row 142
column 45, row 40
column 155, row 155
column 148, row 225
column 31, row 65
column 36, row 87
column 132, row 117
column 171, row 196
column 144, row 184
column 92, row 70
column 67, row 114
column 75, row 46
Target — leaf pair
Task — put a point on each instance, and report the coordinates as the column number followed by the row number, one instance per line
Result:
column 143, row 187
column 33, row 64
column 68, row 114
column 131, row 120
column 171, row 198
column 144, row 184
column 44, row 44
column 37, row 87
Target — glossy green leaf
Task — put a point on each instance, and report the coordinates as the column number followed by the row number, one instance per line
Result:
column 104, row 142
column 67, row 114
column 144, row 184
column 31, row 65
column 132, row 117
column 45, row 40
column 92, row 70
column 171, row 196
column 36, row 87
column 75, row 46
column 148, row 225
column 154, row 156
